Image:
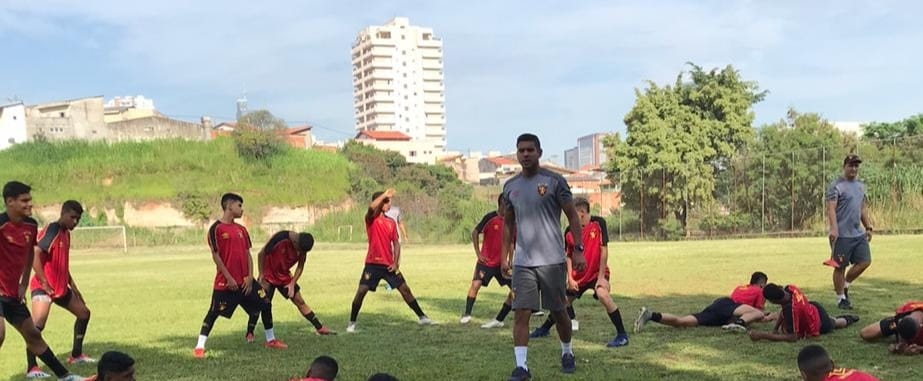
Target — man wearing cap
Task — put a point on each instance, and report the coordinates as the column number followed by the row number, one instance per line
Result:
column 846, row 209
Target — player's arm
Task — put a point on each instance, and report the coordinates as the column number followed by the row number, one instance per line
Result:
column 832, row 195
column 476, row 241
column 757, row 336
column 397, row 256
column 403, row 228
column 40, row 270
column 26, row 272
column 866, row 221
column 573, row 219
column 376, row 205
column 509, row 232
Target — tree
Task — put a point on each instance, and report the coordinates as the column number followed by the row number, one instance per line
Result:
column 257, row 135
column 678, row 138
column 263, row 120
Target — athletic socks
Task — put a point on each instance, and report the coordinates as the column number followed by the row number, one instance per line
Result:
column 48, row 358
column 521, row 356
column 505, row 310
column 416, row 308
column 80, row 330
column 201, row 342
column 469, row 305
column 656, row 317
column 313, row 319
column 566, row 349
column 616, row 318
column 571, row 313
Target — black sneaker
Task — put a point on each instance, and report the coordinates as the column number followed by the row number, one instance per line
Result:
column 844, row 304
column 568, row 363
column 520, row 374
column 850, row 319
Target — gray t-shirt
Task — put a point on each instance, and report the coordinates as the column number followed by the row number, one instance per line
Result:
column 849, row 196
column 394, row 213
column 537, row 203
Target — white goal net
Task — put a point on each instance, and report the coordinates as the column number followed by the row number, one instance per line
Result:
column 100, row 237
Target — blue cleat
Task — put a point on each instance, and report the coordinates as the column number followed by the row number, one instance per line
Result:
column 539, row 332
column 618, row 341
column 520, row 374
column 568, row 363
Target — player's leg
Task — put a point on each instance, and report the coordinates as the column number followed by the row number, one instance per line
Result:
column 41, row 308
column 545, row 329
column 554, row 297
column 828, row 324
column 308, row 313
column 501, row 316
column 841, row 252
column 35, row 343
column 615, row 316
column 664, row 318
column 743, row 315
column 525, row 300
column 361, row 291
column 877, row 330
column 223, row 303
column 397, row 281
column 861, row 259
column 257, row 302
column 78, row 307
column 476, row 282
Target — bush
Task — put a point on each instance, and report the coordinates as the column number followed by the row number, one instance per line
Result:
column 257, row 144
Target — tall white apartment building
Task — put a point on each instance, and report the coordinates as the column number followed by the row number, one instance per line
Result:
column 398, row 86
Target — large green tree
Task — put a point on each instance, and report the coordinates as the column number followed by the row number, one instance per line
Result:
column 677, row 138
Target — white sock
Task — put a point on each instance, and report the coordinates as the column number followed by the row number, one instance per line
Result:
column 270, row 335
column 846, row 285
column 521, row 354
column 201, row 343
column 840, row 297
column 566, row 349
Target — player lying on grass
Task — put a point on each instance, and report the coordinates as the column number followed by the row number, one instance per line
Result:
column 906, row 326
column 799, row 318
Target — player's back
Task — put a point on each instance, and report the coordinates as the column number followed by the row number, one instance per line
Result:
column 843, row 374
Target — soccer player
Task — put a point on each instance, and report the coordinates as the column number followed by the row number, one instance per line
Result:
column 488, row 265
column 234, row 284
column 533, row 201
column 18, row 232
column 744, row 306
column 595, row 277
column 800, row 318
column 906, row 326
column 284, row 250
column 323, row 368
column 53, row 282
column 815, row 365
column 115, row 366
column 382, row 261
column 846, row 208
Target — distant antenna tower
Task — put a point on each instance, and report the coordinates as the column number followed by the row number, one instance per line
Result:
column 242, row 105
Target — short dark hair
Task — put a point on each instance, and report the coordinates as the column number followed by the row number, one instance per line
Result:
column 529, row 138
column 773, row 292
column 227, row 198
column 324, row 367
column 907, row 328
column 758, row 277
column 581, row 202
column 378, row 194
column 72, row 206
column 113, row 362
column 306, row 243
column 13, row 189
column 814, row 361
column 382, row 377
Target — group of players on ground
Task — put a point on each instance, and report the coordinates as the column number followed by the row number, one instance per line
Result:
column 522, row 248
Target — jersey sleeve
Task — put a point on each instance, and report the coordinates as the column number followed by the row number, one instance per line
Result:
column 505, row 196
column 247, row 236
column 212, row 237
column 760, row 301
column 487, row 217
column 603, row 229
column 562, row 191
column 275, row 239
column 49, row 236
column 832, row 192
column 788, row 319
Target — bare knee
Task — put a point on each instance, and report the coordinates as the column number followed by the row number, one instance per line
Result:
column 83, row 314
column 871, row 332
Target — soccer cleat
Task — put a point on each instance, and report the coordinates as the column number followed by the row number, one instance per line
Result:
column 82, row 359
column 850, row 319
column 351, row 327
column 844, row 304
column 574, row 325
column 198, row 353
column 71, row 377
column 520, row 374
column 249, row 337
column 425, row 321
column 539, row 332
column 324, row 331
column 734, row 327
column 643, row 318
column 493, row 324
column 568, row 363
column 36, row 373
column 465, row 319
column 832, row 263
column 618, row 341
column 275, row 344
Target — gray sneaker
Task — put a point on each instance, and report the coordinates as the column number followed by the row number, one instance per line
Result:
column 520, row 374
column 643, row 318
column 568, row 363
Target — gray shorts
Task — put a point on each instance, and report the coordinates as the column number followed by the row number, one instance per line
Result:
column 852, row 250
column 543, row 286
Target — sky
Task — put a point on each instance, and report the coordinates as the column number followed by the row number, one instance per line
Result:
column 560, row 69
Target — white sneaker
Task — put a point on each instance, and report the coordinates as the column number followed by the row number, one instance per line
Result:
column 575, row 325
column 351, row 327
column 734, row 327
column 539, row 313
column 36, row 373
column 426, row 321
column 493, row 324
column 465, row 319
column 72, row 377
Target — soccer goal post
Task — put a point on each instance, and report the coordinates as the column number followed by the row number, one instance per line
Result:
column 346, row 230
column 100, row 237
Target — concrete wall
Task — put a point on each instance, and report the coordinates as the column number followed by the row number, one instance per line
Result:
column 155, row 127
column 73, row 119
column 12, row 125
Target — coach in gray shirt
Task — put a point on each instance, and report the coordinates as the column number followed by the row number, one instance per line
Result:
column 849, row 242
column 534, row 200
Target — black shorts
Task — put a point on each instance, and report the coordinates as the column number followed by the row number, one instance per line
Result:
column 226, row 302
column 485, row 273
column 719, row 313
column 826, row 323
column 14, row 311
column 847, row 251
column 63, row 301
column 584, row 288
column 373, row 274
column 283, row 290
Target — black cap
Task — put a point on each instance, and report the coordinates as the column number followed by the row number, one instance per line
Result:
column 852, row 158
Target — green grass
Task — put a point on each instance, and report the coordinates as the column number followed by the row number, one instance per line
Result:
column 150, row 303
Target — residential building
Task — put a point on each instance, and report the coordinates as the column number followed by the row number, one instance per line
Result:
column 596, row 187
column 138, row 102
column 12, row 125
column 69, row 119
column 398, row 86
column 572, row 158
column 155, row 127
column 591, row 153
column 396, row 141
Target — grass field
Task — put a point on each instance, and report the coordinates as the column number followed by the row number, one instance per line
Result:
column 150, row 303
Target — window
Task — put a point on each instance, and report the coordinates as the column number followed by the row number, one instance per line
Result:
column 403, row 52
column 413, row 153
column 62, row 114
column 406, row 119
column 405, row 97
column 14, row 117
column 405, row 108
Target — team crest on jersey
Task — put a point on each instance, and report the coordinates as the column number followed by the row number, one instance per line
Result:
column 497, row 227
column 542, row 189
column 225, row 236
column 592, row 234
column 28, row 237
column 10, row 239
column 240, row 234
